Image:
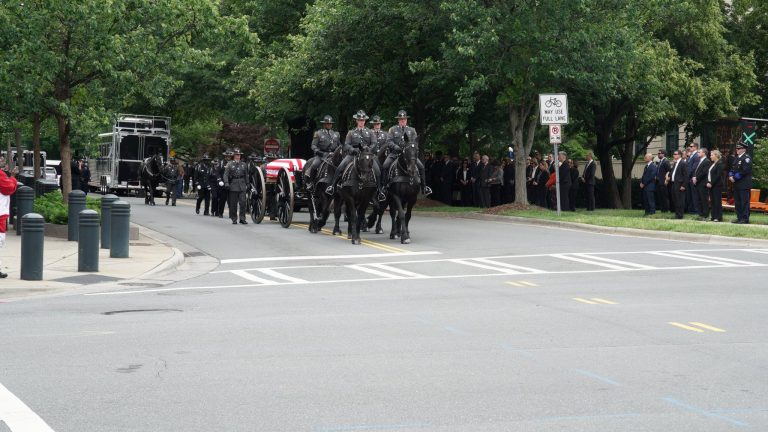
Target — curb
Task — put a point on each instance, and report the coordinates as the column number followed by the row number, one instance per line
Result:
column 633, row 232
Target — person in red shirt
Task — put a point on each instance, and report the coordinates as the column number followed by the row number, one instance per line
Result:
column 7, row 188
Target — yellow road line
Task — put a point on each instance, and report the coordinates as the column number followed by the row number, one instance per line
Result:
column 517, row 284
column 373, row 244
column 531, row 284
column 579, row 299
column 603, row 301
column 683, row 326
column 708, row 327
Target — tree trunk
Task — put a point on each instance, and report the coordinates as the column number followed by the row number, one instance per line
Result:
column 36, row 124
column 627, row 163
column 610, row 188
column 523, row 127
column 66, row 155
column 19, row 159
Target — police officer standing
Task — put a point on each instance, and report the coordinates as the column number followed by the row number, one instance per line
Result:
column 356, row 139
column 400, row 135
column 324, row 142
column 171, row 174
column 204, row 176
column 223, row 196
column 741, row 177
column 235, row 180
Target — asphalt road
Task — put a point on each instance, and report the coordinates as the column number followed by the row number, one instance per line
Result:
column 475, row 326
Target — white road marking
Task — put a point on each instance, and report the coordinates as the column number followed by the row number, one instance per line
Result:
column 676, row 255
column 277, row 275
column 365, row 269
column 253, row 278
column 617, row 262
column 398, row 271
column 18, row 416
column 507, row 265
column 590, row 262
column 472, row 263
column 724, row 260
column 326, row 257
column 760, row 251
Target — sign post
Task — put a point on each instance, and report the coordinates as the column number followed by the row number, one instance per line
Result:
column 553, row 111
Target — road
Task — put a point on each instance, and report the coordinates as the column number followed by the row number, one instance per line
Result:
column 475, row 326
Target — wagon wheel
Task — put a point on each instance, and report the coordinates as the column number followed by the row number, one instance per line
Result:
column 284, row 198
column 258, row 199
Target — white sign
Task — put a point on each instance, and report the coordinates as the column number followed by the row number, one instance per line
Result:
column 555, row 134
column 553, row 108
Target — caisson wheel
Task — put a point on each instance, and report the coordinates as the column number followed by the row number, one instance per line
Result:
column 284, row 198
column 258, row 197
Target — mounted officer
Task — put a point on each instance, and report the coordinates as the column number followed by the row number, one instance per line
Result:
column 324, row 142
column 236, row 180
column 400, row 135
column 171, row 175
column 204, row 178
column 380, row 136
column 356, row 139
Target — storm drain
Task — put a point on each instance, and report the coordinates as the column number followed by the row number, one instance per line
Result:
column 140, row 310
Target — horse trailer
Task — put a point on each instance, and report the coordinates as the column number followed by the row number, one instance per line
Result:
column 117, row 169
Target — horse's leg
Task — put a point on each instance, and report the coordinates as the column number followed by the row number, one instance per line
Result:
column 312, row 220
column 405, row 237
column 378, row 217
column 336, row 214
column 394, row 212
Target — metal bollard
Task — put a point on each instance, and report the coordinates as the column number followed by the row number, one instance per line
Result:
column 120, row 229
column 25, row 199
column 88, row 241
column 106, row 219
column 32, row 235
column 76, row 205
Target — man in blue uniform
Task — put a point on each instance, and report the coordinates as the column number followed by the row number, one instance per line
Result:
column 741, row 177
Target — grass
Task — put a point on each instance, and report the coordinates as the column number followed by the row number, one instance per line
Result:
column 758, row 228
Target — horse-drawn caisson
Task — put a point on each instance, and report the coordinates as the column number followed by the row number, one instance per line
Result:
column 276, row 188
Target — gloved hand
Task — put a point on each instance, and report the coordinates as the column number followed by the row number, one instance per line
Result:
column 199, row 187
column 319, row 154
column 354, row 152
column 221, row 183
column 397, row 149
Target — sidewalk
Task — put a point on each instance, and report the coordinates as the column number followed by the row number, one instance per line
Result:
column 148, row 256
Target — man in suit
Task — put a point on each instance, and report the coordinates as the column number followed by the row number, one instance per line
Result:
column 662, row 190
column 678, row 178
column 692, row 198
column 475, row 170
column 588, row 178
column 699, row 180
column 565, row 180
column 648, row 185
column 741, row 177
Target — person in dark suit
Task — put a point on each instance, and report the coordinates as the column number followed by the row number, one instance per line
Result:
column 648, row 185
column 741, row 177
column 699, row 180
column 678, row 178
column 662, row 190
column 588, row 178
column 476, row 168
column 714, row 185
column 508, row 190
column 565, row 181
column 463, row 179
column 692, row 198
column 76, row 172
column 531, row 173
column 447, row 177
column 574, row 170
column 540, row 184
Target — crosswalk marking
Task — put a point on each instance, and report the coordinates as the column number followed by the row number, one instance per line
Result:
column 586, row 261
column 674, row 254
column 251, row 277
column 506, row 265
column 277, row 275
column 397, row 270
column 470, row 263
column 724, row 260
column 615, row 262
column 521, row 283
column 367, row 269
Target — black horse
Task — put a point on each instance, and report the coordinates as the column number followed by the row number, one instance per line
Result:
column 319, row 201
column 403, row 188
column 151, row 174
column 357, row 187
column 377, row 212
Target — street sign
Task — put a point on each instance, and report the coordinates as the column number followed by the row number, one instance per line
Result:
column 553, row 108
column 555, row 134
column 271, row 145
column 173, row 153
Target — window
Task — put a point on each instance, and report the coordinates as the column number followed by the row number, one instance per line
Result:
column 673, row 140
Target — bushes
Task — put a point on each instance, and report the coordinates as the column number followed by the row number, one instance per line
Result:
column 51, row 206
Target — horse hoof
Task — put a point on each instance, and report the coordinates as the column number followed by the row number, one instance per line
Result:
column 356, row 241
column 405, row 241
column 379, row 230
column 336, row 232
column 391, row 236
column 349, row 237
column 364, row 229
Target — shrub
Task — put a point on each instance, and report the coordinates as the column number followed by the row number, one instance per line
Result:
column 51, row 206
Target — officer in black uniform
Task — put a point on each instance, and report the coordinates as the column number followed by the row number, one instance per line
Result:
column 236, row 180
column 204, row 177
column 400, row 135
column 171, row 175
column 380, row 136
column 324, row 142
column 741, row 177
column 223, row 196
column 356, row 139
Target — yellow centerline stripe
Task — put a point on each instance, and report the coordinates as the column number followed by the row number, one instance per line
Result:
column 708, row 327
column 517, row 284
column 579, row 299
column 528, row 283
column 369, row 243
column 603, row 301
column 683, row 326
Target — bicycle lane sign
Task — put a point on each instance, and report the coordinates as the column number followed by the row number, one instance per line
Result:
column 553, row 108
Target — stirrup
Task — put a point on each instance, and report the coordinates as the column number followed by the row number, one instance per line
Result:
column 427, row 190
column 330, row 190
column 382, row 196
